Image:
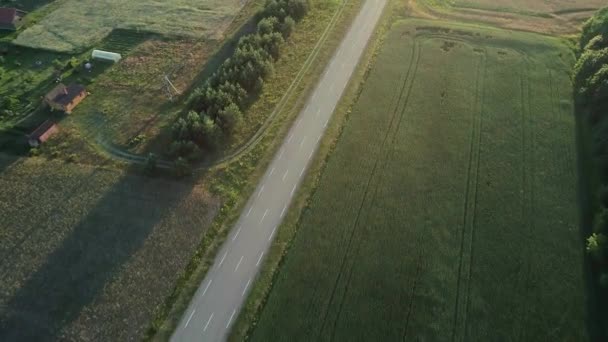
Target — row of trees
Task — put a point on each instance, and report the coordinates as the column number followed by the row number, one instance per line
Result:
column 217, row 106
column 591, row 95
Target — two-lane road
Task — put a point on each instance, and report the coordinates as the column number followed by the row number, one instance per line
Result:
column 220, row 296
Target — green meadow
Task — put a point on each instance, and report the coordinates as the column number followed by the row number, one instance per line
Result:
column 459, row 217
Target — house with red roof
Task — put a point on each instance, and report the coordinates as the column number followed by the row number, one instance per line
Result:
column 65, row 98
column 42, row 133
column 10, row 18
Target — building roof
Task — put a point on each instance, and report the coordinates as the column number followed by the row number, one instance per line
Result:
column 71, row 92
column 45, row 127
column 7, row 15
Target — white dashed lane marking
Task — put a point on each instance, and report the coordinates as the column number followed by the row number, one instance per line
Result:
column 224, row 257
column 189, row 318
column 207, row 287
column 208, row 321
column 231, row 317
column 239, row 264
column 246, row 287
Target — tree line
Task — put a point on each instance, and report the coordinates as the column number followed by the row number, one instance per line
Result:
column 217, row 106
column 591, row 97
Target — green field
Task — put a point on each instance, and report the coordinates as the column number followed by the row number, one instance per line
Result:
column 88, row 253
column 459, row 218
column 77, row 24
column 553, row 6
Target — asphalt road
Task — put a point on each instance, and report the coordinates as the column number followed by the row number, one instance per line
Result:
column 220, row 296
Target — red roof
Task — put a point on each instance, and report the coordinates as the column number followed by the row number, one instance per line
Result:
column 7, row 15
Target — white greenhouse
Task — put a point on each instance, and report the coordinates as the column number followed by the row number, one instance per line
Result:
column 106, row 56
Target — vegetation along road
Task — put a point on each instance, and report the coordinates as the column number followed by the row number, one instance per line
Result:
column 221, row 294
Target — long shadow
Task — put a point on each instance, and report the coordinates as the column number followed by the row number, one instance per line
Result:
column 77, row 271
column 596, row 303
column 226, row 50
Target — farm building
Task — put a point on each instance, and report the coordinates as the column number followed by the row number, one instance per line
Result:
column 42, row 133
column 10, row 18
column 65, row 98
column 106, row 56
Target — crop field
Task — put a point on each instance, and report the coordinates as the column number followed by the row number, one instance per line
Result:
column 459, row 220
column 78, row 25
column 555, row 17
column 554, row 6
column 86, row 254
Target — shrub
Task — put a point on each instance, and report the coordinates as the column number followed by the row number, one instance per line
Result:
column 58, row 65
column 297, row 8
column 151, row 164
column 596, row 25
column 596, row 245
column 11, row 103
column 181, row 168
column 268, row 25
column 229, row 117
column 211, row 132
column 287, row 26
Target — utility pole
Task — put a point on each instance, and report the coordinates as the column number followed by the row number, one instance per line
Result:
column 169, row 88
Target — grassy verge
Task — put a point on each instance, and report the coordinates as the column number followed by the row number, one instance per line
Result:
column 235, row 181
column 251, row 310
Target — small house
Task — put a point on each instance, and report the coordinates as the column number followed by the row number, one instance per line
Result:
column 65, row 98
column 106, row 56
column 10, row 18
column 42, row 133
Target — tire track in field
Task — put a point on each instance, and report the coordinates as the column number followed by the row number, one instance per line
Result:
column 400, row 111
column 564, row 157
column 562, row 114
column 461, row 306
column 412, row 295
column 393, row 127
column 527, row 174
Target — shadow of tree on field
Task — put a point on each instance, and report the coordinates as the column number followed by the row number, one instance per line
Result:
column 88, row 259
column 595, row 308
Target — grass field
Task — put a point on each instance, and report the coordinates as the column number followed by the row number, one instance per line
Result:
column 87, row 254
column 460, row 221
column 77, row 24
column 527, row 6
column 555, row 17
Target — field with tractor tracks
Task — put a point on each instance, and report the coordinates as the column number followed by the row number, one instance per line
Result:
column 459, row 217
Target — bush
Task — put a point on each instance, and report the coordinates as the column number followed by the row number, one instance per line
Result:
column 229, row 117
column 181, row 168
column 596, row 245
column 151, row 164
column 11, row 103
column 596, row 25
column 268, row 25
column 287, row 27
